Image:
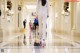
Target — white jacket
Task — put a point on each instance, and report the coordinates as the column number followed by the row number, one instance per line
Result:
column 42, row 9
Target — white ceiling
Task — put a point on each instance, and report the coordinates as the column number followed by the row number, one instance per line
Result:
column 34, row 1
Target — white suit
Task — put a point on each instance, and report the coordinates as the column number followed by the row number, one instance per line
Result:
column 42, row 17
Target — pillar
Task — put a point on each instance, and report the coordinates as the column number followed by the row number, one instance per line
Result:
column 1, row 33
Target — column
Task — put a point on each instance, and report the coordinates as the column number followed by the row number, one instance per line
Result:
column 15, row 15
column 1, row 33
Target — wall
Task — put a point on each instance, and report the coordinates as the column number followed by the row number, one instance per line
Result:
column 77, row 18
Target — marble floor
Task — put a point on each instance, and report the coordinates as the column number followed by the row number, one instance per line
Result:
column 13, row 42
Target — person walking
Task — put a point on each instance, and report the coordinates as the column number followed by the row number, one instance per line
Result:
column 42, row 10
column 24, row 23
column 30, row 36
column 36, row 24
column 30, row 25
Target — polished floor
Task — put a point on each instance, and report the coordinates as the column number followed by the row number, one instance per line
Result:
column 14, row 42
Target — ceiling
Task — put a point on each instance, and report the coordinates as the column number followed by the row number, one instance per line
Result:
column 34, row 1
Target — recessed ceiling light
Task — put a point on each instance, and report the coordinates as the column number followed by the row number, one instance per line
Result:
column 31, row 6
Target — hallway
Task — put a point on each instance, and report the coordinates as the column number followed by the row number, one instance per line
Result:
column 62, row 26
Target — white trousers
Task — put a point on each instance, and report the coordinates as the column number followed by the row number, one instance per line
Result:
column 42, row 18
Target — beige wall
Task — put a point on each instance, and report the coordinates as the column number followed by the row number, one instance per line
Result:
column 63, row 23
column 1, row 33
column 57, row 23
column 67, row 25
column 77, row 18
column 15, row 16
